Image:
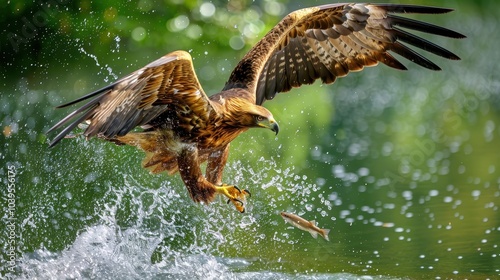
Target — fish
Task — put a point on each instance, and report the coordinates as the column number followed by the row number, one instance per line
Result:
column 306, row 225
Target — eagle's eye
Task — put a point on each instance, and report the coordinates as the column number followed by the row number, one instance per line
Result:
column 259, row 118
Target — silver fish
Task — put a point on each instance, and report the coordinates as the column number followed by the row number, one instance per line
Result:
column 306, row 225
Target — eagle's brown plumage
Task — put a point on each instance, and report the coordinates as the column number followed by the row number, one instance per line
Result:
column 183, row 127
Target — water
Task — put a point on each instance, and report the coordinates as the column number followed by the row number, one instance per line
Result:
column 404, row 168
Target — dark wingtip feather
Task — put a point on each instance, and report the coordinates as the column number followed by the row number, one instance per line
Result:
column 418, row 41
column 85, row 110
column 424, row 44
column 389, row 60
column 92, row 94
column 413, row 9
column 58, row 138
column 87, row 107
column 424, row 27
column 67, row 130
column 413, row 56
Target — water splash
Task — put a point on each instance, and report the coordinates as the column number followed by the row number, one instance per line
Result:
column 105, row 68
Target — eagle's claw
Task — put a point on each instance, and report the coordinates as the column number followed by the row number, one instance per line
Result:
column 247, row 192
column 236, row 200
column 234, row 195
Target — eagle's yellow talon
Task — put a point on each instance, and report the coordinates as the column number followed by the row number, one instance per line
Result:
column 249, row 194
column 234, row 195
column 229, row 200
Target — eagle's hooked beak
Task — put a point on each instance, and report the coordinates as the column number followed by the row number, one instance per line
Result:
column 274, row 127
column 271, row 124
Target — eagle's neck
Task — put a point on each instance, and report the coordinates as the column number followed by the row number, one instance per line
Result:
column 230, row 117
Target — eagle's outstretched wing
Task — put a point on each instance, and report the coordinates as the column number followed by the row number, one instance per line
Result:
column 165, row 86
column 329, row 41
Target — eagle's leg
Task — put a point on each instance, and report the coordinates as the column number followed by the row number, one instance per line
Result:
column 200, row 189
column 215, row 166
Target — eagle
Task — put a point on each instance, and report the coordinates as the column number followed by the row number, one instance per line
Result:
column 163, row 110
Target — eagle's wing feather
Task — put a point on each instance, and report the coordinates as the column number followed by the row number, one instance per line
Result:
column 330, row 41
column 139, row 98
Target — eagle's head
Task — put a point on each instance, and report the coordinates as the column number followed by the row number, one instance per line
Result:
column 245, row 114
column 263, row 118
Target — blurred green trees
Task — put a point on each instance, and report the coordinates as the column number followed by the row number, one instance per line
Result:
column 111, row 38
